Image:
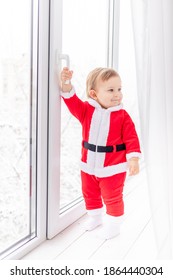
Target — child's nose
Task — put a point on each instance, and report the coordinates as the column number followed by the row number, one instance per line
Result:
column 116, row 94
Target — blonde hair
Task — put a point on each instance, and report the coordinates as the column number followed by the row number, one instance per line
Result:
column 100, row 73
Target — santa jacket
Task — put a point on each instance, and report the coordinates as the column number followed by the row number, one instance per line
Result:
column 103, row 127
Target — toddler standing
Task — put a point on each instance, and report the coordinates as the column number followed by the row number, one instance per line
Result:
column 110, row 146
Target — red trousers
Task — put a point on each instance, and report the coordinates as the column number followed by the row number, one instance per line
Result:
column 108, row 189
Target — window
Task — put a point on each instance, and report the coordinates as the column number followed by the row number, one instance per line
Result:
column 17, row 124
column 35, row 126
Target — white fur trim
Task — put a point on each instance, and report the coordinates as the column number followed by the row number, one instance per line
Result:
column 115, row 108
column 99, row 129
column 95, row 104
column 104, row 171
column 69, row 94
column 93, row 135
column 102, row 137
column 134, row 154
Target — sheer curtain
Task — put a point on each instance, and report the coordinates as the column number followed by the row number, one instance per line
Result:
column 153, row 38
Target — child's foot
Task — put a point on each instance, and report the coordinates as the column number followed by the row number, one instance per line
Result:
column 111, row 227
column 93, row 222
column 107, row 232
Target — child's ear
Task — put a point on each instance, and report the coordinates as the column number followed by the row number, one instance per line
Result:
column 93, row 94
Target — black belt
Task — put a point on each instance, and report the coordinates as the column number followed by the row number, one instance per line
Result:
column 104, row 149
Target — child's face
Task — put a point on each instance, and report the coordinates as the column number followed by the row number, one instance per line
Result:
column 108, row 93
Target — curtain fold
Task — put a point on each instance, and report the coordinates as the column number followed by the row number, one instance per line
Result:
column 153, row 39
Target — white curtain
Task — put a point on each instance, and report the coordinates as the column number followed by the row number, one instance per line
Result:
column 153, row 39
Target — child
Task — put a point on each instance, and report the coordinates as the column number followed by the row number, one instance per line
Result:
column 110, row 146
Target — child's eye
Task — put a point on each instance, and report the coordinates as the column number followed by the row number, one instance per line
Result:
column 119, row 89
column 111, row 89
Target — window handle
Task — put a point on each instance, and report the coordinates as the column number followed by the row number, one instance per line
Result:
column 63, row 58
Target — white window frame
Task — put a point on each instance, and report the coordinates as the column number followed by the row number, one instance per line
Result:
column 56, row 222
column 41, row 29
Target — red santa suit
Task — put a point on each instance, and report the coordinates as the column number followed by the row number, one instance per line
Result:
column 109, row 140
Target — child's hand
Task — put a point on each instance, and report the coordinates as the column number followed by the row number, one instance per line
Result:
column 66, row 75
column 133, row 166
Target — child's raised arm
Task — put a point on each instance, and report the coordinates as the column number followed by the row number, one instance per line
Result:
column 66, row 75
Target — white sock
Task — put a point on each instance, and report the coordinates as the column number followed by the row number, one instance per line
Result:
column 94, row 219
column 111, row 227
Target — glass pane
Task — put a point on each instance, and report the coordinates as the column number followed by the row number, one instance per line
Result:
column 85, row 40
column 16, row 194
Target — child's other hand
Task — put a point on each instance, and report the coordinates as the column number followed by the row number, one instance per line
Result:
column 133, row 166
column 66, row 75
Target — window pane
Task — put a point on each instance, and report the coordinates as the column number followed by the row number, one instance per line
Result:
column 17, row 219
column 85, row 40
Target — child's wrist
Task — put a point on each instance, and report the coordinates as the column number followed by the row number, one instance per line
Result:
column 66, row 87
